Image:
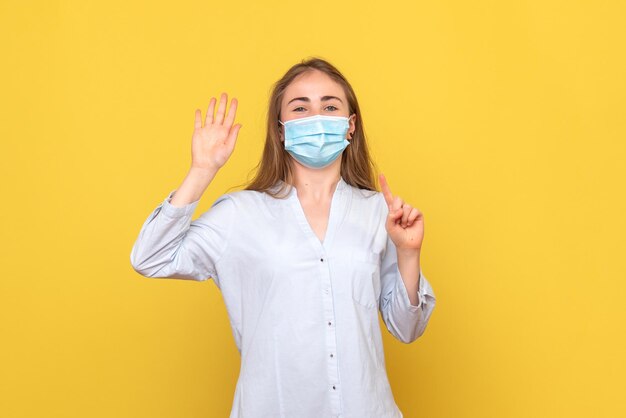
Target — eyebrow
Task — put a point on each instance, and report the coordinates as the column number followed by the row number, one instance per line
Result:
column 306, row 99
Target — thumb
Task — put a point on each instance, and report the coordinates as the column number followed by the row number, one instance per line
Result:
column 393, row 216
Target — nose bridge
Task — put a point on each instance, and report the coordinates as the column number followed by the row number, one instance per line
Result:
column 316, row 107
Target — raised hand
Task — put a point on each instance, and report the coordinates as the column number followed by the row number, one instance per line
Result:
column 405, row 224
column 213, row 143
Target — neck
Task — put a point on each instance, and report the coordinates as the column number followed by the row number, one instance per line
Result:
column 316, row 184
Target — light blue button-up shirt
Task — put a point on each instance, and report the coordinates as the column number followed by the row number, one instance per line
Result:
column 304, row 313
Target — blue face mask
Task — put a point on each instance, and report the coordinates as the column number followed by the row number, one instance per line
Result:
column 316, row 141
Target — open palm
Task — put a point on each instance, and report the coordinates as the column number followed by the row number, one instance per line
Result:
column 213, row 143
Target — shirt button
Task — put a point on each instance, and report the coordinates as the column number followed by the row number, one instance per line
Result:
column 329, row 323
column 322, row 260
column 331, row 354
column 333, row 386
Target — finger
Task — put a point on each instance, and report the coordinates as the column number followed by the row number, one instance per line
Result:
column 397, row 203
column 385, row 189
column 393, row 217
column 221, row 109
column 406, row 210
column 198, row 119
column 232, row 111
column 209, row 113
column 415, row 213
column 232, row 135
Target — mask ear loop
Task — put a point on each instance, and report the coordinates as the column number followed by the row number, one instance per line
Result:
column 281, row 133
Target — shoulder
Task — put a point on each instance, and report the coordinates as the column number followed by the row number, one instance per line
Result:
column 369, row 202
column 370, row 197
column 242, row 202
column 231, row 205
column 241, row 197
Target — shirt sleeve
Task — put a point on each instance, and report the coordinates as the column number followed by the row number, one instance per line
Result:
column 170, row 245
column 406, row 322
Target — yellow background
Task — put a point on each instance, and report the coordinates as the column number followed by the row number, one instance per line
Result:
column 504, row 122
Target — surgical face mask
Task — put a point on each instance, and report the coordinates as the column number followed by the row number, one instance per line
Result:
column 316, row 141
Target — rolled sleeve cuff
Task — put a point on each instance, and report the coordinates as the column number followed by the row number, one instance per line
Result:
column 175, row 211
column 424, row 290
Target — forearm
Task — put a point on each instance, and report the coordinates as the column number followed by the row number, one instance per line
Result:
column 192, row 187
column 409, row 266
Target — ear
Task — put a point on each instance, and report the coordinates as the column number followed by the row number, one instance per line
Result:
column 281, row 133
column 352, row 126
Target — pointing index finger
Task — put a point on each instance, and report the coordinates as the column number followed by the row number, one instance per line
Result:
column 385, row 189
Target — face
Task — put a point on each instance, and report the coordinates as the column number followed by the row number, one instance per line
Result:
column 315, row 93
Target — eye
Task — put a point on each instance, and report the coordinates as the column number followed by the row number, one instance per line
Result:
column 299, row 107
column 333, row 108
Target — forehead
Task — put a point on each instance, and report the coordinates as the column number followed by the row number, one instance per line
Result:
column 313, row 84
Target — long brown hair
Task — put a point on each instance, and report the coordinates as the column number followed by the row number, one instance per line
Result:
column 357, row 168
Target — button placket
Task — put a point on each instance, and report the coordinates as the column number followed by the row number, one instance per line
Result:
column 341, row 200
column 331, row 344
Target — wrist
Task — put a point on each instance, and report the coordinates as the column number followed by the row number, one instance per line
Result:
column 203, row 172
column 408, row 252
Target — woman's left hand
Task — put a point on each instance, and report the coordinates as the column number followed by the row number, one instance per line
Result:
column 405, row 224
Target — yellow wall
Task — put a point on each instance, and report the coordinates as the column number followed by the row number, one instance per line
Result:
column 503, row 121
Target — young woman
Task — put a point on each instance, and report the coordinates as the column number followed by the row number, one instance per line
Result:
column 305, row 257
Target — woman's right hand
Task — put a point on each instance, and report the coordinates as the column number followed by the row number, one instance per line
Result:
column 213, row 143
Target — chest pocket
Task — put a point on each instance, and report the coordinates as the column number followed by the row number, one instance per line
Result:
column 365, row 275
